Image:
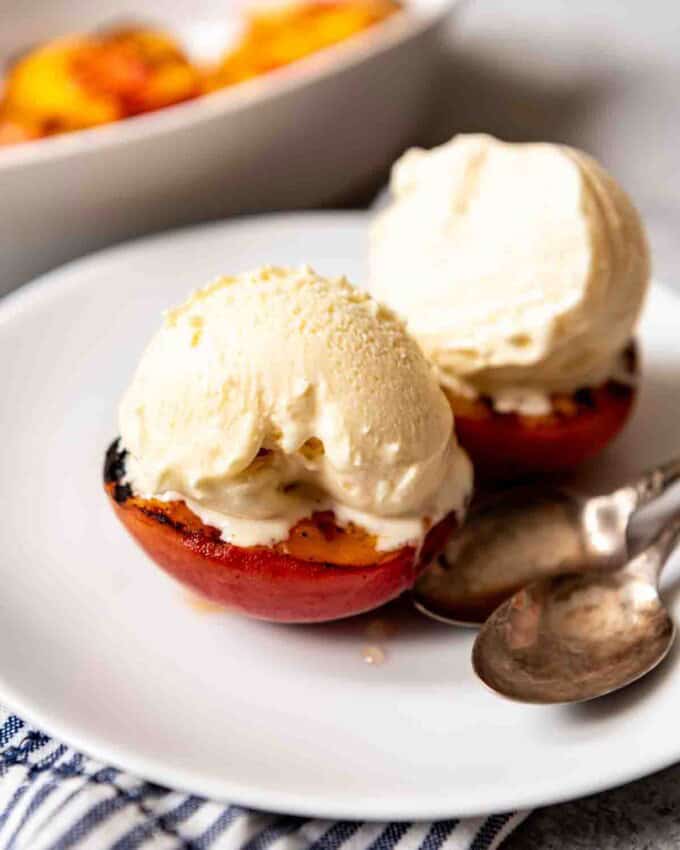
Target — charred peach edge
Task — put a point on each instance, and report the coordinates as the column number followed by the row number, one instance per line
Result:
column 579, row 426
column 321, row 572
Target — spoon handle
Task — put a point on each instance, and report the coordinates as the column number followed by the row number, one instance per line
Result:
column 651, row 562
column 655, row 482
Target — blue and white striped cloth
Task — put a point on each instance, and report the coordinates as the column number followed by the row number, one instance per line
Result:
column 54, row 798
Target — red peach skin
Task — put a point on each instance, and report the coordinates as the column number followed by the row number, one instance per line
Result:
column 265, row 583
column 506, row 446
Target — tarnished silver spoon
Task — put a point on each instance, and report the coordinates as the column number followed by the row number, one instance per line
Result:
column 579, row 636
column 526, row 533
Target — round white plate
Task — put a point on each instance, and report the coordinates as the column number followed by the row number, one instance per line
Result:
column 101, row 649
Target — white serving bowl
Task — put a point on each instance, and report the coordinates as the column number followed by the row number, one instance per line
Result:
column 301, row 136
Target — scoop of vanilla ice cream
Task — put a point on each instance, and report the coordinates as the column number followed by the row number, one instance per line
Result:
column 273, row 394
column 520, row 268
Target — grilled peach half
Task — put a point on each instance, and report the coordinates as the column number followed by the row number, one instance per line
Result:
column 321, row 572
column 507, row 446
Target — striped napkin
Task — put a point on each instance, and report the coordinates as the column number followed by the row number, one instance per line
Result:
column 54, row 798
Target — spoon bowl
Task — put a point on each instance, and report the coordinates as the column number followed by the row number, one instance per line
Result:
column 575, row 637
column 507, row 541
column 524, row 534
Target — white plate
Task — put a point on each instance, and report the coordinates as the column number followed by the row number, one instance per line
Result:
column 101, row 649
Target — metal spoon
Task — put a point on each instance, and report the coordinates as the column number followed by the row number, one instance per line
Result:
column 526, row 533
column 578, row 636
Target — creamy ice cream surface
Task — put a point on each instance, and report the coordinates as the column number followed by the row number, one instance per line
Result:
column 520, row 268
column 277, row 393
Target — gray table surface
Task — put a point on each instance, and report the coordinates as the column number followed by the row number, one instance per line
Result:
column 604, row 76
